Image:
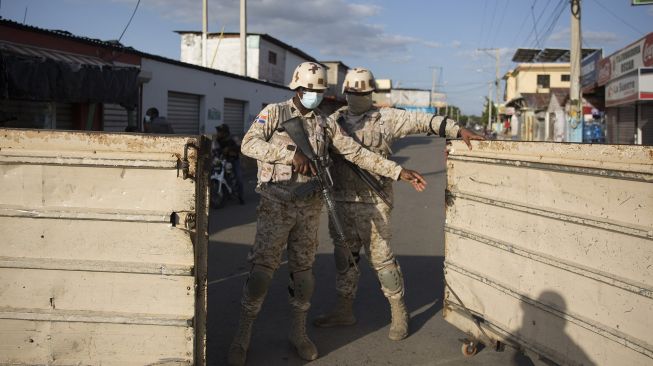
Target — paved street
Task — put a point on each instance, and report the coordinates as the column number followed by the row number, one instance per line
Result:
column 418, row 220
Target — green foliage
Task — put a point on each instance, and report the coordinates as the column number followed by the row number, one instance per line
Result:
column 483, row 120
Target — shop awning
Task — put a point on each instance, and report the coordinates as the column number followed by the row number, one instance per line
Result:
column 33, row 73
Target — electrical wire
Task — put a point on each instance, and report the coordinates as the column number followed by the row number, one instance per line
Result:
column 535, row 21
column 494, row 11
column 553, row 20
column 619, row 18
column 130, row 21
column 480, row 36
column 503, row 15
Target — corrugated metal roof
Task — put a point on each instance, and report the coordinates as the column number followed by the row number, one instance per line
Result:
column 119, row 47
column 547, row 54
column 51, row 54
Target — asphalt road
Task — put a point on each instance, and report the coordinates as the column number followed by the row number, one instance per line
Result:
column 418, row 220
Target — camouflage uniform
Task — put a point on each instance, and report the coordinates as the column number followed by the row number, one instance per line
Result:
column 285, row 222
column 365, row 216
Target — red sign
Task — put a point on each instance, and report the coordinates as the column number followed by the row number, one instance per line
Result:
column 605, row 71
column 647, row 52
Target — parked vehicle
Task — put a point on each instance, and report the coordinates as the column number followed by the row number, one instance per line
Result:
column 224, row 182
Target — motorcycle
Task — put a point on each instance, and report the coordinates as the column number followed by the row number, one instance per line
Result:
column 224, row 183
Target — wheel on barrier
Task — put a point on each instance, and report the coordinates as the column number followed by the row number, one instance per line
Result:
column 469, row 348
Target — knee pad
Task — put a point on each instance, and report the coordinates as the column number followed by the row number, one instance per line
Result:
column 258, row 282
column 391, row 278
column 302, row 285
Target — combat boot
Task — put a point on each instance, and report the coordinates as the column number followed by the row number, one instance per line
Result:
column 341, row 315
column 238, row 349
column 400, row 317
column 305, row 347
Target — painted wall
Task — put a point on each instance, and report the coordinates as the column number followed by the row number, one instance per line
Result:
column 212, row 89
column 524, row 78
column 227, row 57
column 271, row 72
column 292, row 61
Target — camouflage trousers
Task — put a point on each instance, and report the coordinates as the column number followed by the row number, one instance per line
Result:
column 366, row 225
column 286, row 225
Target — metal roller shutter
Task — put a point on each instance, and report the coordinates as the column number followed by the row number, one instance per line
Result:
column 64, row 113
column 234, row 116
column 184, row 113
column 626, row 125
column 646, row 123
column 114, row 118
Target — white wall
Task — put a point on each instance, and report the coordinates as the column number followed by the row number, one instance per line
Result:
column 227, row 57
column 292, row 61
column 267, row 71
column 212, row 88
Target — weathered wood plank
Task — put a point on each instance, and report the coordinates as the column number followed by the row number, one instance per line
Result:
column 91, row 240
column 63, row 343
column 97, row 291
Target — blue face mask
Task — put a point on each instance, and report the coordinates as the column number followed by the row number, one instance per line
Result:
column 311, row 100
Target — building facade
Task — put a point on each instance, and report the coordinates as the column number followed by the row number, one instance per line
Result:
column 56, row 80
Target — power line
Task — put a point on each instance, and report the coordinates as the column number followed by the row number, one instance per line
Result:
column 619, row 18
column 523, row 22
column 535, row 26
column 494, row 11
column 503, row 15
column 130, row 21
column 553, row 20
column 480, row 36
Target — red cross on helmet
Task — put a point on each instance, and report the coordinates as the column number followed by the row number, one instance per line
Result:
column 310, row 75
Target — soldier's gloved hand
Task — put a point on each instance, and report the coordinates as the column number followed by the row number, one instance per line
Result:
column 413, row 178
column 468, row 135
column 302, row 164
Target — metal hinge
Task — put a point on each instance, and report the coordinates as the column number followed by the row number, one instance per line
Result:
column 184, row 164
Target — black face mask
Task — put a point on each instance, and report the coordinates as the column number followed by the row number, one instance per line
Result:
column 359, row 104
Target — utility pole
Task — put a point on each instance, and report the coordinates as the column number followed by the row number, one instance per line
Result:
column 205, row 22
column 497, row 57
column 489, row 107
column 243, row 37
column 576, row 99
column 433, row 69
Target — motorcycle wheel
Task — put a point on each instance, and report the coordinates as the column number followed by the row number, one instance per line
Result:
column 217, row 199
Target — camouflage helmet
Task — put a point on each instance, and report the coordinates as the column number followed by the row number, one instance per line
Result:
column 359, row 80
column 310, row 75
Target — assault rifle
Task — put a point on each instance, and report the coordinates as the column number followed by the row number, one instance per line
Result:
column 324, row 183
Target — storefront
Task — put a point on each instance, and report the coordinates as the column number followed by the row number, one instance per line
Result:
column 627, row 76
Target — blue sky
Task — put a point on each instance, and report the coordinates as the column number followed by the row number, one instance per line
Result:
column 401, row 40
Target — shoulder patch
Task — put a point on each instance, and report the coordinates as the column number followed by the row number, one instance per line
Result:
column 261, row 118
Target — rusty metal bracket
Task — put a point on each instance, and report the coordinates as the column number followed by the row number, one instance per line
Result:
column 184, row 164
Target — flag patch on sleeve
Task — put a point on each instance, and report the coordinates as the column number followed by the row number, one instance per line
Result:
column 261, row 118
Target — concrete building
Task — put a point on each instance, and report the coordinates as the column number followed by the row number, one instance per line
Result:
column 625, row 79
column 536, row 91
column 193, row 99
column 268, row 58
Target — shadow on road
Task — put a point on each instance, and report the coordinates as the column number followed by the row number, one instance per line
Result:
column 269, row 341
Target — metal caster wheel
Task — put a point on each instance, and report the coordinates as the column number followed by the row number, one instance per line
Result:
column 469, row 348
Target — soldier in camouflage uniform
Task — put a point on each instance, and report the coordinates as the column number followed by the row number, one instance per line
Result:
column 366, row 217
column 285, row 220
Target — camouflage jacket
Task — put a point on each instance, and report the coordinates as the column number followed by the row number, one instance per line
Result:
column 274, row 150
column 377, row 129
